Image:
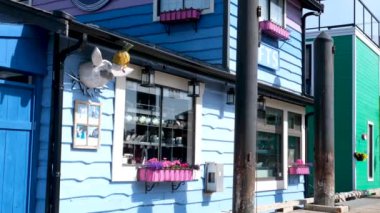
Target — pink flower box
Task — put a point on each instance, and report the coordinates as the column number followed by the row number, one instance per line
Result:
column 274, row 30
column 162, row 175
column 180, row 15
column 300, row 170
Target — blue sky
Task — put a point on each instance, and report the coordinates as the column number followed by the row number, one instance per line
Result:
column 339, row 12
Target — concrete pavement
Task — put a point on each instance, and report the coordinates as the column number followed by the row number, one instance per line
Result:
column 362, row 205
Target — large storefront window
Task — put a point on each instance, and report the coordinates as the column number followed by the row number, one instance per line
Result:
column 154, row 122
column 269, row 144
column 280, row 143
column 158, row 124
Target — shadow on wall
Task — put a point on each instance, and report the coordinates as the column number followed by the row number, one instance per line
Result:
column 161, row 198
column 277, row 82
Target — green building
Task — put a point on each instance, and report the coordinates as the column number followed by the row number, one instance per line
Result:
column 356, row 108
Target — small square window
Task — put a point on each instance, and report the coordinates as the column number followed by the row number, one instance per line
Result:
column 273, row 10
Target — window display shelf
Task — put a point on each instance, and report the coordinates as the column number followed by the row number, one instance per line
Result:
column 154, row 144
column 143, row 125
column 143, row 111
column 150, row 124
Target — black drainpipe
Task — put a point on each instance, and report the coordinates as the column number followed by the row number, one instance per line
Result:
column 303, row 43
column 54, row 164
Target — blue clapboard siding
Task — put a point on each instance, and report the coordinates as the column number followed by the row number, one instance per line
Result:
column 205, row 44
column 17, row 43
column 288, row 76
column 44, row 129
column 86, row 184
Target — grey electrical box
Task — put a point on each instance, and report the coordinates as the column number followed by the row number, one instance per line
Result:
column 214, row 177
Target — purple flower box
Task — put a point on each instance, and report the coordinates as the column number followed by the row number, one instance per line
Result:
column 274, row 30
column 164, row 175
column 180, row 15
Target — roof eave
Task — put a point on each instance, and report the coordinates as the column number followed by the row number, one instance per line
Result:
column 312, row 5
column 29, row 15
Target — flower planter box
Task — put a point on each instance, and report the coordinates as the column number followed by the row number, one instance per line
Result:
column 180, row 15
column 164, row 175
column 274, row 30
column 299, row 170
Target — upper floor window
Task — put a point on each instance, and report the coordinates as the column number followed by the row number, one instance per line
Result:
column 160, row 6
column 273, row 10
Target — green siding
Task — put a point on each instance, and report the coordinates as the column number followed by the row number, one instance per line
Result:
column 343, row 112
column 367, row 102
column 309, row 179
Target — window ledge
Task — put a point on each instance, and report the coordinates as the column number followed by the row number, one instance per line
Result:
column 274, row 30
column 176, row 16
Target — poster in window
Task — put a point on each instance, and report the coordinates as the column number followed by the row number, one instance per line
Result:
column 87, row 119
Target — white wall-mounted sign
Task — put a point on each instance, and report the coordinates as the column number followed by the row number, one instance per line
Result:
column 268, row 57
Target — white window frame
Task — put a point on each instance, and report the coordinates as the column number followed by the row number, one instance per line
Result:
column 268, row 185
column 371, row 159
column 122, row 172
column 156, row 16
column 283, row 14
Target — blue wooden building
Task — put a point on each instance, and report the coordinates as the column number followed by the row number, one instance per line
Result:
column 131, row 123
column 26, row 78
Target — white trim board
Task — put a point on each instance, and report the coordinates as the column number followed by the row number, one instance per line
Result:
column 354, row 185
column 367, row 41
column 332, row 32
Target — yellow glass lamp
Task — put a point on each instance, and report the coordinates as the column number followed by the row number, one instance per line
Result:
column 121, row 60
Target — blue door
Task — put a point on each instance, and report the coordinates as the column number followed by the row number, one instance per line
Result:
column 16, row 116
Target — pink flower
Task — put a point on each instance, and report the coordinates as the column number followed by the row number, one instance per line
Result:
column 176, row 162
column 152, row 160
column 184, row 165
column 166, row 164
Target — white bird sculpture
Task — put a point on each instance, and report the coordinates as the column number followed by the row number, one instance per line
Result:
column 97, row 73
column 94, row 75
